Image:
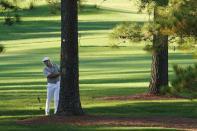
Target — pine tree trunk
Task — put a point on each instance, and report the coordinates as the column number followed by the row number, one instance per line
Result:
column 159, row 69
column 69, row 103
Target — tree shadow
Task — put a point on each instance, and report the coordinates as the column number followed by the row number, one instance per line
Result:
column 21, row 112
column 149, row 108
column 51, row 28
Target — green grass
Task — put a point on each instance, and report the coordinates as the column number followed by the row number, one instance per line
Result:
column 103, row 71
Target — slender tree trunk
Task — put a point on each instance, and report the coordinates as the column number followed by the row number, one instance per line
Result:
column 159, row 69
column 69, row 103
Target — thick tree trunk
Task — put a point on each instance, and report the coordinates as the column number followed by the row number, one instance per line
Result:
column 159, row 69
column 69, row 103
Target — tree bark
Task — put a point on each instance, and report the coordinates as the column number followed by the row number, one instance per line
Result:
column 69, row 102
column 159, row 69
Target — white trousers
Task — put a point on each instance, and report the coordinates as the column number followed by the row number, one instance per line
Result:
column 52, row 91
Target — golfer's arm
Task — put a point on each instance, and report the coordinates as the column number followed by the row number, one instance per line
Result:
column 53, row 75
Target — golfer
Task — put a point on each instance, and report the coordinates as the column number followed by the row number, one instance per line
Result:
column 51, row 71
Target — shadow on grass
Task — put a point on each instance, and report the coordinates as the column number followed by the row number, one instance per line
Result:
column 101, row 25
column 13, row 67
column 84, row 73
column 21, row 112
column 173, row 56
column 93, row 10
column 114, row 80
column 12, row 86
column 86, row 10
column 97, row 111
column 149, row 108
column 133, row 58
column 23, row 74
column 102, row 92
column 50, row 29
column 21, row 60
column 16, row 127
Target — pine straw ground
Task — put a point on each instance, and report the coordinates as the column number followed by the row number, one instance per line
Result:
column 93, row 120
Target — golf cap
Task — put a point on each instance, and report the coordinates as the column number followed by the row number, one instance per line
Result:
column 45, row 59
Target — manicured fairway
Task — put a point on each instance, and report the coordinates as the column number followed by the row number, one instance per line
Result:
column 104, row 71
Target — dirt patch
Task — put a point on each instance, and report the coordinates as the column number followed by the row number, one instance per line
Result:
column 90, row 120
column 147, row 121
column 142, row 96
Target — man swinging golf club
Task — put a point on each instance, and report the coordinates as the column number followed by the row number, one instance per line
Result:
column 51, row 71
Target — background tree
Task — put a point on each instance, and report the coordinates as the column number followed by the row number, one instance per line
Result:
column 180, row 23
column 9, row 11
column 159, row 68
column 183, row 16
column 69, row 103
column 173, row 21
column 150, row 32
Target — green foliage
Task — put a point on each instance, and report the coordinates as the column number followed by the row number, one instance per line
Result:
column 54, row 6
column 186, row 43
column 179, row 20
column 173, row 18
column 6, row 5
column 139, row 32
column 149, row 5
column 132, row 32
column 157, row 2
column 168, row 91
column 185, row 80
column 9, row 10
column 185, row 14
column 184, row 83
column 9, row 21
